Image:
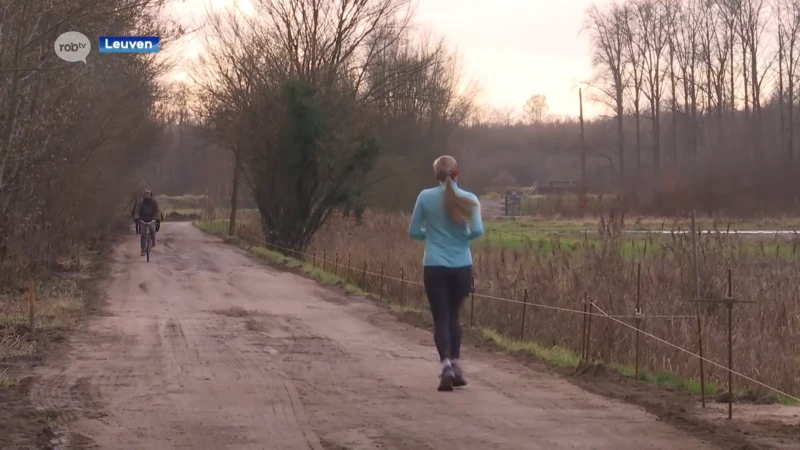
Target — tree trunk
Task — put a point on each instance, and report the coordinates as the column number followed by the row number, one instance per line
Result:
column 621, row 137
column 237, row 169
column 781, row 93
column 746, row 81
column 657, row 140
column 583, row 141
column 638, row 114
column 790, row 144
column 758, row 148
column 695, row 124
column 733, row 78
column 674, row 106
column 686, row 117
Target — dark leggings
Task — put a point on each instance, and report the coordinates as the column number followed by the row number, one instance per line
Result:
column 446, row 288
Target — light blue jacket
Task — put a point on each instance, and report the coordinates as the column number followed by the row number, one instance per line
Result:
column 447, row 243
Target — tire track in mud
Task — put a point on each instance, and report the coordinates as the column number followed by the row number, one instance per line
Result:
column 287, row 409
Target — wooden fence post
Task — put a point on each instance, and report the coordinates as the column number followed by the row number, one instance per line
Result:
column 524, row 305
column 402, row 283
column 380, row 294
column 32, row 304
column 364, row 277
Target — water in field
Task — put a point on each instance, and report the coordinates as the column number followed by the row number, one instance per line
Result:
column 741, row 232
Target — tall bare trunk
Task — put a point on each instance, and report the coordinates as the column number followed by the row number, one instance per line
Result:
column 583, row 141
column 790, row 144
column 687, row 118
column 674, row 104
column 638, row 117
column 733, row 75
column 746, row 78
column 621, row 136
column 781, row 93
column 237, row 170
column 757, row 147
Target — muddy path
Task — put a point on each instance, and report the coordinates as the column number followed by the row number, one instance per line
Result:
column 205, row 348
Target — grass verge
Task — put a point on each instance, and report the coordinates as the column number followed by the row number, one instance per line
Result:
column 555, row 356
column 561, row 357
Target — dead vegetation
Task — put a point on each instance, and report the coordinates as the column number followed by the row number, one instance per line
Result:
column 765, row 334
column 73, row 137
column 59, row 302
column 68, row 155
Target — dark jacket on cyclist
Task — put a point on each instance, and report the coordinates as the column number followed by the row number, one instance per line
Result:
column 147, row 209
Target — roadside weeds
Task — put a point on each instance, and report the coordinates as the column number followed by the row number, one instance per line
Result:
column 62, row 300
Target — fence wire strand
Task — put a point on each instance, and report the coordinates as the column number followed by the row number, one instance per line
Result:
column 322, row 260
column 601, row 313
column 689, row 352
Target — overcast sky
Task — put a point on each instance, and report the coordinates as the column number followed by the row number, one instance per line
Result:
column 511, row 48
column 517, row 48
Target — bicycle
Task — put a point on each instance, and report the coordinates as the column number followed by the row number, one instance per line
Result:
column 148, row 239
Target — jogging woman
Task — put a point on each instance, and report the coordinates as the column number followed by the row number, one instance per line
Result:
column 447, row 218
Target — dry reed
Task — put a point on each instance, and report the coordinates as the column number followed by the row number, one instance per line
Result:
column 765, row 334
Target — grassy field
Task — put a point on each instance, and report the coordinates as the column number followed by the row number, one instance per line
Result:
column 602, row 265
column 645, row 239
column 647, row 224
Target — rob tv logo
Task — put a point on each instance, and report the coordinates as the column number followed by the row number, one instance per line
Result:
column 130, row 44
column 73, row 46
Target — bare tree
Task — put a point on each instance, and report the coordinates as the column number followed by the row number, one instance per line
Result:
column 753, row 24
column 688, row 57
column 634, row 57
column 788, row 17
column 66, row 129
column 535, row 108
column 300, row 90
column 607, row 32
column 422, row 111
column 716, row 52
column 672, row 10
column 653, row 16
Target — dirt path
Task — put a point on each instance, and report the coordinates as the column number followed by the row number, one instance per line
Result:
column 205, row 348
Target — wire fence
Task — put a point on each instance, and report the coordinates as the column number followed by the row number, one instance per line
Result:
column 345, row 270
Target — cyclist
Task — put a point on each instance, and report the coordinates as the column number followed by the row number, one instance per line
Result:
column 147, row 210
column 447, row 218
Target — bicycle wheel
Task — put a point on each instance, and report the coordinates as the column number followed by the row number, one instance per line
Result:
column 147, row 245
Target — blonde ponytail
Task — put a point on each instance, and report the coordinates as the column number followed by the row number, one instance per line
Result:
column 458, row 207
